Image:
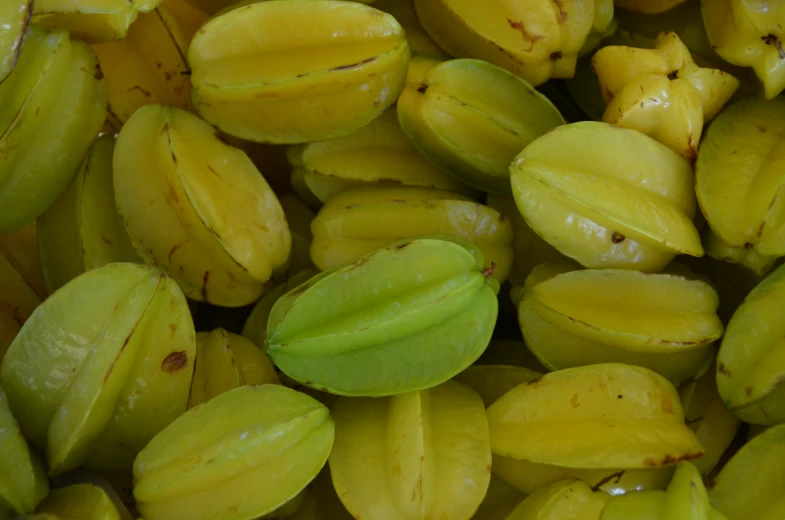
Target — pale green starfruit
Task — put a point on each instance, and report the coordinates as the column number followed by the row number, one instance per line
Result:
column 76, row 502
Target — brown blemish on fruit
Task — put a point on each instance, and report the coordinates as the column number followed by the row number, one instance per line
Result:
column 670, row 460
column 618, row 475
column 535, row 382
column 165, row 128
column 396, row 470
column 674, row 74
column 353, row 65
column 760, row 229
column 120, row 353
column 174, row 362
column 556, row 56
column 387, row 180
column 667, row 407
column 762, row 128
column 172, row 329
column 748, row 391
column 488, row 468
column 146, row 93
column 422, row 88
column 99, row 74
column 173, row 251
column 688, row 422
column 562, row 15
column 213, row 171
column 234, row 508
column 527, row 36
column 168, row 76
column 37, row 111
column 619, row 396
column 106, row 241
column 574, row 401
column 771, row 39
column 489, row 271
column 617, row 238
column 205, row 279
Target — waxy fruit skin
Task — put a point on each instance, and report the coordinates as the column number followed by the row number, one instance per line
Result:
column 608, row 197
column 15, row 15
column 101, row 366
column 213, row 461
column 254, row 80
column 83, row 501
column 405, row 317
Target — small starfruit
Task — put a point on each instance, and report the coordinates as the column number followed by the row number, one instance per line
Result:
column 225, row 361
column 749, row 33
column 739, row 175
column 562, row 500
column 23, row 481
column 749, row 486
column 359, row 221
column 82, row 230
column 664, row 322
column 598, row 416
column 51, row 108
column 535, row 39
column 197, row 208
column 414, row 456
column 470, row 118
column 607, row 196
column 751, row 359
column 425, row 306
column 258, row 76
column 661, row 92
column 239, row 456
column 101, row 367
column 376, row 154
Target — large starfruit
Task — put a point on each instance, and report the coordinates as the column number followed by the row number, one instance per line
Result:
column 607, row 196
column 530, row 249
column 561, row 500
column 359, row 221
column 76, row 502
column 93, row 21
column 51, row 108
column 225, row 361
column 471, row 118
column 22, row 282
column 15, row 16
column 664, row 322
column 376, row 154
column 599, row 416
column 739, row 175
column 147, row 66
column 706, row 415
column 414, row 456
column 23, row 481
column 535, row 39
column 749, row 33
column 82, row 230
column 197, row 207
column 750, row 486
column 241, row 455
column 751, row 359
column 405, row 317
column 294, row 71
column 661, row 92
column 101, row 367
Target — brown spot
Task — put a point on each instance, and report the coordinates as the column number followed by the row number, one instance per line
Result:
column 106, row 240
column 771, row 39
column 562, row 16
column 422, row 88
column 353, row 65
column 178, row 89
column 556, row 56
column 173, row 251
column 99, row 74
column 618, row 475
column 535, row 382
column 145, row 93
column 667, row 406
column 172, row 329
column 488, row 468
column 164, row 128
column 377, row 103
column 37, row 111
column 174, row 362
column 531, row 38
column 748, row 246
column 396, row 470
column 158, row 64
column 574, row 401
column 760, row 229
column 213, row 170
column 174, row 158
column 125, row 344
column 490, row 271
column 401, row 246
column 688, row 422
column 762, row 128
column 617, row 238
column 748, row 391
column 205, row 279
column 670, row 460
column 234, row 508
column 168, row 75
column 619, row 396
column 674, row 74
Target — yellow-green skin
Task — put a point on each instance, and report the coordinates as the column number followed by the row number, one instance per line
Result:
column 212, row 461
column 76, row 502
column 82, row 230
column 424, row 305
column 751, row 359
column 51, row 107
column 15, row 15
column 101, row 367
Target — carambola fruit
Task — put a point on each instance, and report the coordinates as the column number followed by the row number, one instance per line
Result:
column 359, row 221
column 414, row 456
column 562, row 500
column 93, row 21
column 239, row 456
column 82, row 230
column 405, row 317
column 15, row 16
column 51, row 107
column 740, row 173
column 101, row 367
column 197, row 207
column 471, row 118
column 607, row 197
column 751, row 359
column 294, row 71
column 665, row 322
column 76, row 502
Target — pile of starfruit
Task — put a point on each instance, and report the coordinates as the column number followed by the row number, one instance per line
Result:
column 392, row 260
